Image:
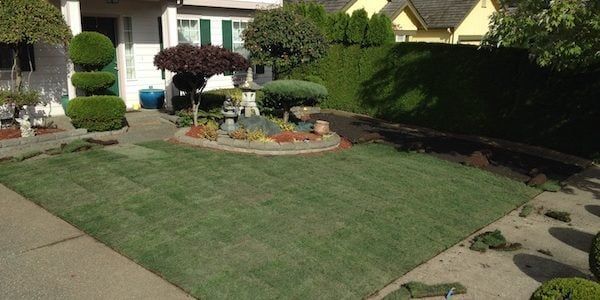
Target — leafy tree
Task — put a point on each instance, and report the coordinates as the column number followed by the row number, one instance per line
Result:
column 337, row 25
column 380, row 31
column 357, row 27
column 563, row 34
column 194, row 65
column 283, row 39
column 29, row 22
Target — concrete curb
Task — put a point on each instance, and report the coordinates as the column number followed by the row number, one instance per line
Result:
column 226, row 143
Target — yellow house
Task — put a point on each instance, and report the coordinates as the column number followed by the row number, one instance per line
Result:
column 436, row 21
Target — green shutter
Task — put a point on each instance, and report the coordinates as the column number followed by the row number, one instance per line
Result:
column 227, row 35
column 205, row 32
column 227, row 38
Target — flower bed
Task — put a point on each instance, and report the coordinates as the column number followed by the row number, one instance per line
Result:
column 284, row 143
column 14, row 132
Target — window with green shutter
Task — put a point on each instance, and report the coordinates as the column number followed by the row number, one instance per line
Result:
column 205, row 35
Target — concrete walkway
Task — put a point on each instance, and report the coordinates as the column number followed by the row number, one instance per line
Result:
column 515, row 275
column 43, row 257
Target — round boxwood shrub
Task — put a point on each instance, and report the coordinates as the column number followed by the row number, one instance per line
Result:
column 567, row 288
column 93, row 82
column 285, row 94
column 97, row 113
column 595, row 257
column 91, row 50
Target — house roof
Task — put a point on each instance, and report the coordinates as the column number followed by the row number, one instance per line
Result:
column 432, row 13
column 444, row 13
column 394, row 7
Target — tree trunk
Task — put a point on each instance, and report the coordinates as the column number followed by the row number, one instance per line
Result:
column 18, row 73
column 17, row 69
column 195, row 106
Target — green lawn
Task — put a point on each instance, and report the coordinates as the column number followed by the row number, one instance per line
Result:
column 222, row 225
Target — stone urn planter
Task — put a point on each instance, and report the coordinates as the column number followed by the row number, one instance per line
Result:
column 322, row 127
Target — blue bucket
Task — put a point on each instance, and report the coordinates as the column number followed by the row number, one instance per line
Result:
column 152, row 98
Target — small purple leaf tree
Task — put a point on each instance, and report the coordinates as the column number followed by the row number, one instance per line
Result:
column 194, row 65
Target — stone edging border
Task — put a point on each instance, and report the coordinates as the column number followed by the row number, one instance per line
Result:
column 226, row 143
column 11, row 147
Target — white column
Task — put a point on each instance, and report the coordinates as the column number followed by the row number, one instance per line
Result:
column 71, row 11
column 170, row 39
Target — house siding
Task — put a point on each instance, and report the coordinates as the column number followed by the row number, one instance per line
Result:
column 49, row 78
column 477, row 21
column 50, row 75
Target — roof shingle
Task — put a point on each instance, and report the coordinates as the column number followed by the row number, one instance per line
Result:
column 443, row 13
column 393, row 6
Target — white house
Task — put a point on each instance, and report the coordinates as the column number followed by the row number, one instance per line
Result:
column 138, row 29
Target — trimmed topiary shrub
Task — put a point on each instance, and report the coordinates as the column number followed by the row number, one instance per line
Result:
column 595, row 257
column 91, row 50
column 285, row 94
column 567, row 288
column 97, row 113
column 93, row 83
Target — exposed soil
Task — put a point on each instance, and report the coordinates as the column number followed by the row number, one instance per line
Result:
column 514, row 164
column 196, row 132
column 289, row 137
column 14, row 132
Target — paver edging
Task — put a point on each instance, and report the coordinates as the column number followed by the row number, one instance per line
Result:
column 12, row 147
column 226, row 143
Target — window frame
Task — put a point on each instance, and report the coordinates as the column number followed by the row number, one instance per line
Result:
column 129, row 54
column 188, row 19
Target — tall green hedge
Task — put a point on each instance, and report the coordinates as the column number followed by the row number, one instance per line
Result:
column 498, row 93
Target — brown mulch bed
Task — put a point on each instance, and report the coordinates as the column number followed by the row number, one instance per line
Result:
column 14, row 132
column 289, row 137
column 196, row 132
column 513, row 164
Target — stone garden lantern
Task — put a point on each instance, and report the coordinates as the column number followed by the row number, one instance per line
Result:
column 229, row 113
column 249, row 89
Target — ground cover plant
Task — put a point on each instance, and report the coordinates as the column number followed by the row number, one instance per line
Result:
column 567, row 288
column 222, row 225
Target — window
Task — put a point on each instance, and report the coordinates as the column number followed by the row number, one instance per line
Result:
column 401, row 38
column 238, row 37
column 129, row 55
column 25, row 53
column 188, row 31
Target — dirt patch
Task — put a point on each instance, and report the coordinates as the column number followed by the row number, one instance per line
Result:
column 513, row 164
column 290, row 137
column 15, row 132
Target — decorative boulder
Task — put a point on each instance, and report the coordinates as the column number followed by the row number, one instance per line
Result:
column 255, row 123
column 478, row 160
column 537, row 180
